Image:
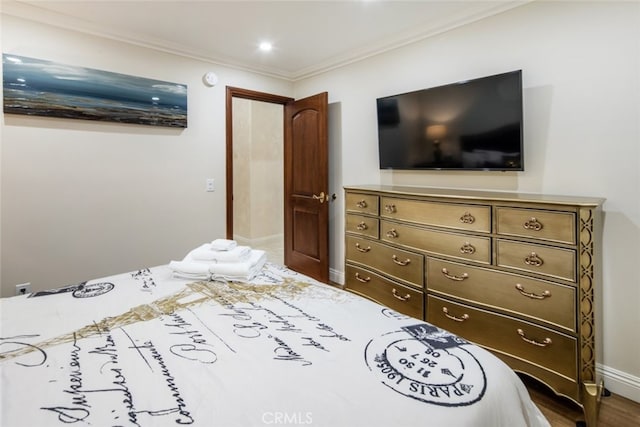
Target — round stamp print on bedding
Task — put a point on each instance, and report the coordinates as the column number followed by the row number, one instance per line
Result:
column 93, row 290
column 427, row 364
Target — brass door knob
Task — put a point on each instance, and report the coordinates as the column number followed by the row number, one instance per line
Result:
column 320, row 197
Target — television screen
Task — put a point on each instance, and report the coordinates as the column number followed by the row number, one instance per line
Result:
column 469, row 125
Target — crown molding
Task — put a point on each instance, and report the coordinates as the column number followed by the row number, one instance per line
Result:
column 473, row 13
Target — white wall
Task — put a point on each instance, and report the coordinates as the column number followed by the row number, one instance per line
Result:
column 581, row 76
column 82, row 200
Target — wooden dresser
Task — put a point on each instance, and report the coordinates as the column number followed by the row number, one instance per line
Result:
column 518, row 274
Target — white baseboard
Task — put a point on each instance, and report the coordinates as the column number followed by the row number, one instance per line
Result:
column 620, row 383
column 336, row 276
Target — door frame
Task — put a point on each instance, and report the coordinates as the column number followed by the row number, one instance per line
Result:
column 234, row 92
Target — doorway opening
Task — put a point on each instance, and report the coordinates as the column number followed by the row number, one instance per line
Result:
column 305, row 179
column 255, row 168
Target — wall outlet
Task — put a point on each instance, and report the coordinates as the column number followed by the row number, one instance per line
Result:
column 23, row 289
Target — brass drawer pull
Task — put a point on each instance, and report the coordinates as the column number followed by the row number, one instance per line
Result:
column 532, row 224
column 520, row 289
column 362, row 226
column 400, row 297
column 467, row 248
column 361, row 249
column 362, row 279
column 457, row 319
column 453, row 276
column 402, row 263
column 544, row 343
column 361, row 204
column 390, row 208
column 392, row 234
column 467, row 218
column 533, row 260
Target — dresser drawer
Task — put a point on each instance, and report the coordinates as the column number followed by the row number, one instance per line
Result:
column 364, row 225
column 539, row 224
column 462, row 246
column 538, row 300
column 536, row 345
column 363, row 203
column 550, row 261
column 403, row 265
column 450, row 215
column 402, row 299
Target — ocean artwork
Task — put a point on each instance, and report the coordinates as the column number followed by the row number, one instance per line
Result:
column 44, row 88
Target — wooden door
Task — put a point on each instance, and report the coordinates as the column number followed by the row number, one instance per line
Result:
column 306, row 226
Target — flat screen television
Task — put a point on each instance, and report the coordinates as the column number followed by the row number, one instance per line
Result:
column 469, row 125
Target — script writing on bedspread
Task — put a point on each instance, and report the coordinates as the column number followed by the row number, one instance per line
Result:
column 106, row 369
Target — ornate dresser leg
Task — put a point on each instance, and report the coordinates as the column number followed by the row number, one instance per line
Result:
column 591, row 402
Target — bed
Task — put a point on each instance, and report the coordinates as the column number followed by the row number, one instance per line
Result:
column 148, row 348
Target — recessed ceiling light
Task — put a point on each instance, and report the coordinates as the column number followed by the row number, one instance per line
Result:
column 265, row 46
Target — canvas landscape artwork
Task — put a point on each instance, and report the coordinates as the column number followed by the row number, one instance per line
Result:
column 44, row 88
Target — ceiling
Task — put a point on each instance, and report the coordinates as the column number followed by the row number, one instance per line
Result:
column 308, row 37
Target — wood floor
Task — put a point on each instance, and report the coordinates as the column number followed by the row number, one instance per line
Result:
column 615, row 411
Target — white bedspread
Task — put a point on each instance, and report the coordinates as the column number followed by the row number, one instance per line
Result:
column 148, row 349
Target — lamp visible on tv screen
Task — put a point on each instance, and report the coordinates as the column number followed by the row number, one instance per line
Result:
column 469, row 125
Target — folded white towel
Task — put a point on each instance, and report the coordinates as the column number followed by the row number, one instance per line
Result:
column 205, row 253
column 190, row 270
column 223, row 245
column 240, row 271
